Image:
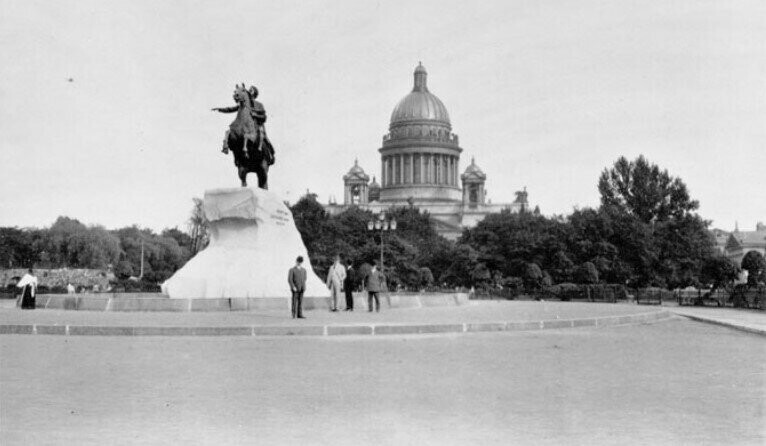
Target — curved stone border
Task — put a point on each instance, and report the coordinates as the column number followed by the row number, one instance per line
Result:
column 725, row 323
column 156, row 302
column 332, row 330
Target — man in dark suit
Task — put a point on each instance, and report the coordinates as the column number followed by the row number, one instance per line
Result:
column 374, row 282
column 348, row 286
column 297, row 280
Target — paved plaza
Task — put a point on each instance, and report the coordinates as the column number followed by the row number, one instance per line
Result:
column 671, row 382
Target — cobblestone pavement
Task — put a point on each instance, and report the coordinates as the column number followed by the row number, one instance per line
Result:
column 481, row 311
column 672, row 382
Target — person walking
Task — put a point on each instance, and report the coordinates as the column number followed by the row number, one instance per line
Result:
column 348, row 286
column 28, row 287
column 296, row 277
column 335, row 279
column 374, row 282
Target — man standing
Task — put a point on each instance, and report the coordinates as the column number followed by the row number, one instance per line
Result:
column 348, row 286
column 335, row 279
column 373, row 282
column 297, row 280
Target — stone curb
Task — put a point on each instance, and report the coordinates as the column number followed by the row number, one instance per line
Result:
column 333, row 330
column 154, row 302
column 727, row 324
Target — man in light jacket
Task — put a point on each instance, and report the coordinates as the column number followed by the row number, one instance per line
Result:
column 335, row 278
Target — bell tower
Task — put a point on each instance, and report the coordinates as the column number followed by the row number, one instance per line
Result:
column 473, row 185
column 355, row 186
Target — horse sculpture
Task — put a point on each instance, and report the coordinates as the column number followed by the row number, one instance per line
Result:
column 247, row 140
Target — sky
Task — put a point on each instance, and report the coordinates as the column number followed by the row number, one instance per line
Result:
column 105, row 106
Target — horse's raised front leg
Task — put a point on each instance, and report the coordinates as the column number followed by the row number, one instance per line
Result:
column 263, row 175
column 242, row 176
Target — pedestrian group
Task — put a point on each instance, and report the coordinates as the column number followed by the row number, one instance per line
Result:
column 341, row 280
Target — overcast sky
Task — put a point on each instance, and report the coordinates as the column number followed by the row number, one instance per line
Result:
column 544, row 94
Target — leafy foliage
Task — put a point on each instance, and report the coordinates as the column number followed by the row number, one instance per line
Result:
column 414, row 255
column 69, row 243
column 755, row 265
column 587, row 273
column 641, row 189
column 719, row 271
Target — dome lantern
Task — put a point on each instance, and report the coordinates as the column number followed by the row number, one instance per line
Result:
column 421, row 76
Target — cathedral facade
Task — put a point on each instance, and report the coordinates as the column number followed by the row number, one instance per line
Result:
column 420, row 166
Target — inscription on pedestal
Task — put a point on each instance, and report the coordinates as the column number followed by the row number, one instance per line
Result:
column 280, row 217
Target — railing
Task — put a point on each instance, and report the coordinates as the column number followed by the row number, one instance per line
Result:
column 749, row 297
column 719, row 297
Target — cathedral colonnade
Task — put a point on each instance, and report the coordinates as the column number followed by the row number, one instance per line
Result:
column 420, row 168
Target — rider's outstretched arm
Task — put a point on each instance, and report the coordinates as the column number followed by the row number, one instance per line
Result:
column 227, row 109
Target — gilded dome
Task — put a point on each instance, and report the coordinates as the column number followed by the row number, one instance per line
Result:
column 420, row 104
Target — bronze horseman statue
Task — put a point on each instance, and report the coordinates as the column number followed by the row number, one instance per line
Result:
column 246, row 137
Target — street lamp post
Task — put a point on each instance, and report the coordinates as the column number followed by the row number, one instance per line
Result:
column 382, row 224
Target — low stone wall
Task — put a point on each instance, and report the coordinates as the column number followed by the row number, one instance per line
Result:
column 60, row 277
column 159, row 302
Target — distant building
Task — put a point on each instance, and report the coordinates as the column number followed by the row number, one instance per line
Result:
column 420, row 160
column 736, row 244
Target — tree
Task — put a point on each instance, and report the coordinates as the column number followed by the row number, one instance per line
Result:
column 561, row 267
column 480, row 275
column 198, row 227
column 426, row 277
column 463, row 261
column 754, row 263
column 587, row 273
column 683, row 245
column 124, row 269
column 719, row 271
column 533, row 277
column 507, row 241
column 16, row 248
column 641, row 189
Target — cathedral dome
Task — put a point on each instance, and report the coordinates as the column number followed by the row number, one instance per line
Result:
column 420, row 104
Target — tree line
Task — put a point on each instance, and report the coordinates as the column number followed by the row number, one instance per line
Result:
column 70, row 243
column 646, row 232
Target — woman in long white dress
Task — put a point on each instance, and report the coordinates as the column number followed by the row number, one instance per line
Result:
column 28, row 286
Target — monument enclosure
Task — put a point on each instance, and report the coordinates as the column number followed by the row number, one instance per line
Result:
column 253, row 243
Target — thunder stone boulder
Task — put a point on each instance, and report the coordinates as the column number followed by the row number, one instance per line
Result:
column 253, row 244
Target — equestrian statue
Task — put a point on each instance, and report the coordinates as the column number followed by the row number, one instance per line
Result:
column 246, row 137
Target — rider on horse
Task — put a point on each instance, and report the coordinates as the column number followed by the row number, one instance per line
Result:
column 258, row 117
column 246, row 137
